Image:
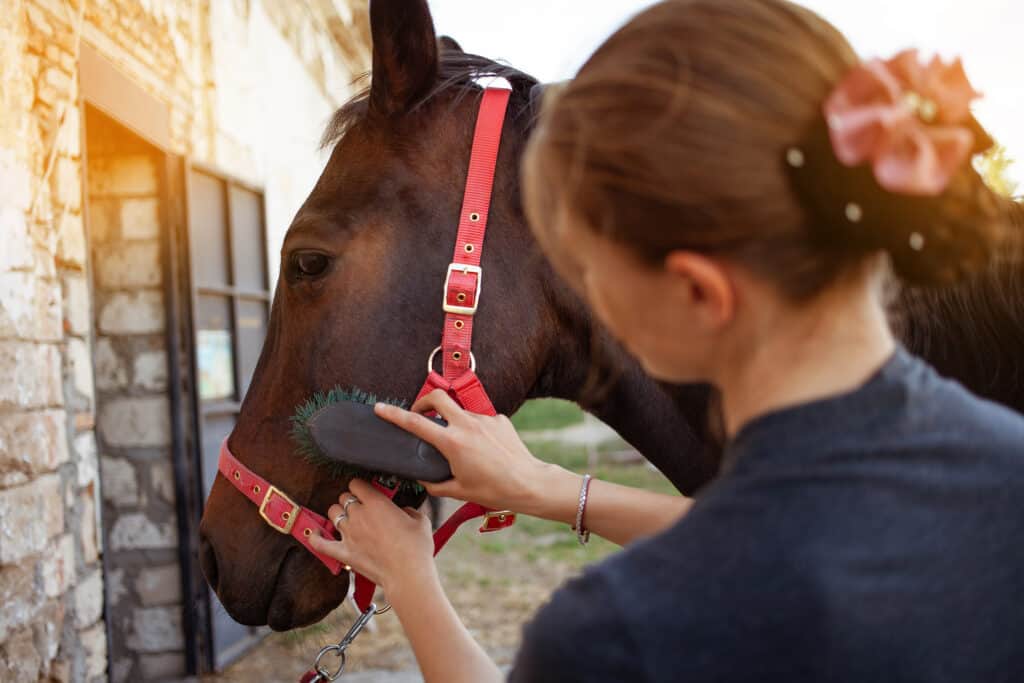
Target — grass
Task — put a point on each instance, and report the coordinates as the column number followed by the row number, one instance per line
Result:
column 570, row 457
column 547, row 413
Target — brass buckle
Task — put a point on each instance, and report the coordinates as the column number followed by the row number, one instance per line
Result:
column 285, row 528
column 465, row 269
column 501, row 515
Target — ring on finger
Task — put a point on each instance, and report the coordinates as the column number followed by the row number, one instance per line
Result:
column 339, row 518
column 344, row 506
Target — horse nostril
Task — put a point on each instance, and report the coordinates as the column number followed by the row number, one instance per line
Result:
column 208, row 562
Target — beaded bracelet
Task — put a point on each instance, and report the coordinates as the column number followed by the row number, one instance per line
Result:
column 582, row 533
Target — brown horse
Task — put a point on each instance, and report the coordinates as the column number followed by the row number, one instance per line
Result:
column 358, row 303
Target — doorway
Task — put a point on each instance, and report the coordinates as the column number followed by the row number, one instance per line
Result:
column 180, row 300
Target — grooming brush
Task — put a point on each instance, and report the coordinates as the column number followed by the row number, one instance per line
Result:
column 338, row 431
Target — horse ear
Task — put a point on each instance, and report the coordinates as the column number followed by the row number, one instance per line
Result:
column 448, row 44
column 404, row 54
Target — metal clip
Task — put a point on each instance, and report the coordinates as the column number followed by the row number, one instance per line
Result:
column 343, row 645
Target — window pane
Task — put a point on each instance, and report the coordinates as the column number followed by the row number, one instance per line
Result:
column 209, row 231
column 215, row 429
column 215, row 349
column 247, row 234
column 252, row 328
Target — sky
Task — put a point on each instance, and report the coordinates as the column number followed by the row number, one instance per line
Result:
column 551, row 39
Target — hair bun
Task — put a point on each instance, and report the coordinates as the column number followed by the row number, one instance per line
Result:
column 931, row 240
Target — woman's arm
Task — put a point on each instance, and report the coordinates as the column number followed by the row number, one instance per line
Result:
column 444, row 648
column 618, row 513
column 394, row 549
column 491, row 466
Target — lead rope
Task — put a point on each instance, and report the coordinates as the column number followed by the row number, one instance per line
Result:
column 463, row 282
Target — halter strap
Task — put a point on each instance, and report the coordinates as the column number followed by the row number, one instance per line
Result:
column 276, row 508
column 464, row 279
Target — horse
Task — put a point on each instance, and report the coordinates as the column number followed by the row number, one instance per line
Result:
column 358, row 304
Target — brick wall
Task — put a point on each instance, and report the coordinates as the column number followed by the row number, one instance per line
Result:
column 81, row 322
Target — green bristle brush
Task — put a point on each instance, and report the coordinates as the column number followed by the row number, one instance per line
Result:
column 338, row 431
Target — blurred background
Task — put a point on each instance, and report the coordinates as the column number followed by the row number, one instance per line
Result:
column 551, row 39
column 152, row 155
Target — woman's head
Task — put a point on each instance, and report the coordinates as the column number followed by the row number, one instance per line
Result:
column 664, row 163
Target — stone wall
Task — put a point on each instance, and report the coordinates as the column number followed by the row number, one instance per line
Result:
column 67, row 317
column 51, row 582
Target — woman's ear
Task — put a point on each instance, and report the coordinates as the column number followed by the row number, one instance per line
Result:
column 705, row 284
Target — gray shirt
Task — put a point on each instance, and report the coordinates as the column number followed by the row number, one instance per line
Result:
column 873, row 536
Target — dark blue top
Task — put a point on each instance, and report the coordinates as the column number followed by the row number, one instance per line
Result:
column 872, row 537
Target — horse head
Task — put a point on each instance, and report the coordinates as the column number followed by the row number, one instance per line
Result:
column 358, row 304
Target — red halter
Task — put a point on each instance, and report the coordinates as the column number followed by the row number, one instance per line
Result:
column 462, row 289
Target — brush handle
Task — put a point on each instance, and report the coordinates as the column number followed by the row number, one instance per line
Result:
column 351, row 433
column 433, row 461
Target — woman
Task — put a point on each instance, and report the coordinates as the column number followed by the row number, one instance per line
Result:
column 867, row 524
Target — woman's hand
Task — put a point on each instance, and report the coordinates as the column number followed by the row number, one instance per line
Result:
column 381, row 541
column 490, row 464
column 394, row 549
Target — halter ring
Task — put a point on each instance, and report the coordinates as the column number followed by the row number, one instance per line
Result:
column 433, row 354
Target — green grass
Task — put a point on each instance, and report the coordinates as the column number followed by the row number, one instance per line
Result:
column 547, row 413
column 570, row 457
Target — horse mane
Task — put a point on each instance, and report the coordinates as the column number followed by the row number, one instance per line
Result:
column 975, row 330
column 458, row 73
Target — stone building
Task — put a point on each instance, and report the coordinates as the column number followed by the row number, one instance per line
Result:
column 150, row 151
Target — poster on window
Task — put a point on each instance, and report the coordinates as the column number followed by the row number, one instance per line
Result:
column 216, row 365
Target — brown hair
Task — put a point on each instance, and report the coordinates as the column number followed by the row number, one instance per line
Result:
column 674, row 136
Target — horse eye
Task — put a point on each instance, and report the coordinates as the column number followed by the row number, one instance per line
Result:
column 310, row 263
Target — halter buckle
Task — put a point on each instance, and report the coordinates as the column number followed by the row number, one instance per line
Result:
column 286, row 527
column 496, row 520
column 465, row 269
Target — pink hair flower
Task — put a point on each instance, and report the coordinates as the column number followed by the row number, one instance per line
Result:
column 907, row 119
